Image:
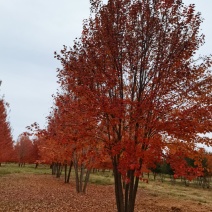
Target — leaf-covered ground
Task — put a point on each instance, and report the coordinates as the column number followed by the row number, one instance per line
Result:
column 31, row 192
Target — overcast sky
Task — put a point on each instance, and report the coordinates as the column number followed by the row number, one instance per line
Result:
column 30, row 32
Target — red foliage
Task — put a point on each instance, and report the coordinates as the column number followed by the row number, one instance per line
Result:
column 6, row 143
column 25, row 150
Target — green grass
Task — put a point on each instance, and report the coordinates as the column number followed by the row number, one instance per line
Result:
column 12, row 168
column 101, row 178
column 165, row 189
column 178, row 190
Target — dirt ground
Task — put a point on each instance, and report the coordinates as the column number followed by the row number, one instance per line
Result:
column 40, row 193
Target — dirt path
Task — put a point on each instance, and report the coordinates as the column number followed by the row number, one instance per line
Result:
column 45, row 193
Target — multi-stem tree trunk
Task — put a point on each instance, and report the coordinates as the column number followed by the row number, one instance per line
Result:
column 125, row 197
column 65, row 171
column 81, row 177
column 58, row 169
column 69, row 172
column 36, row 165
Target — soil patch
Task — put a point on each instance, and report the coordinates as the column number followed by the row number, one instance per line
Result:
column 19, row 192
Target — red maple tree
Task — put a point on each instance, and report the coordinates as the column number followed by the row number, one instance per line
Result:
column 135, row 73
column 6, row 142
column 25, row 150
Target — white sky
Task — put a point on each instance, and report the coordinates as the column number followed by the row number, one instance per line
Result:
column 30, row 32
